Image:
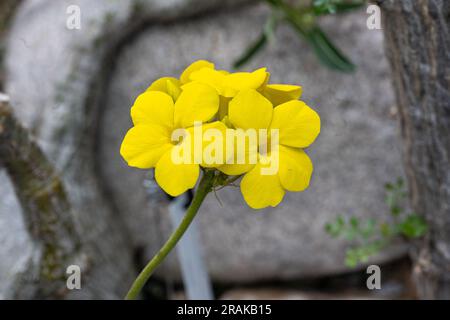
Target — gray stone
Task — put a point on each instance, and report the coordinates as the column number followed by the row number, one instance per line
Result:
column 55, row 77
column 280, row 294
column 63, row 82
column 355, row 155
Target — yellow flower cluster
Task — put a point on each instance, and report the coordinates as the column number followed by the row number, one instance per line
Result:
column 223, row 101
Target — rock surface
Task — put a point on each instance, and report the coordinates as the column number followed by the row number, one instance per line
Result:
column 54, row 76
column 16, row 245
column 64, row 83
column 355, row 155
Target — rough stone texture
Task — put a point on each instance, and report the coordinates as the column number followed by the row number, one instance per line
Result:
column 64, row 83
column 355, row 155
column 418, row 47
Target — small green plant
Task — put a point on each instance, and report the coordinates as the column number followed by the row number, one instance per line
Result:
column 302, row 17
column 370, row 237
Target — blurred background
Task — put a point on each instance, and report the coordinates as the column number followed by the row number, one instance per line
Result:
column 71, row 80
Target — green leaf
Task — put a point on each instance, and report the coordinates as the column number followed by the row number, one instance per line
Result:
column 361, row 254
column 322, row 7
column 304, row 24
column 396, row 210
column 335, row 229
column 413, row 226
column 386, row 230
column 354, row 222
column 331, row 229
column 394, row 195
column 369, row 229
column 346, row 7
column 340, row 221
column 275, row 3
column 370, row 237
column 327, row 52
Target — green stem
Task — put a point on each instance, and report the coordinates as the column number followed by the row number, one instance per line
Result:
column 203, row 189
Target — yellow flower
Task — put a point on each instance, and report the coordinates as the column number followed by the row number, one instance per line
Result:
column 227, row 84
column 298, row 126
column 149, row 143
column 242, row 101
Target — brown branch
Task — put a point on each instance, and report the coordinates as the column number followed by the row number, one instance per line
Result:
column 46, row 209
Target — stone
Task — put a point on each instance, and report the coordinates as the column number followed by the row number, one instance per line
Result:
column 355, row 155
column 74, row 88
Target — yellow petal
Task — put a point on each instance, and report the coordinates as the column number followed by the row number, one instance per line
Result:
column 210, row 137
column 174, row 90
column 210, row 77
column 299, row 125
column 169, row 85
column 295, row 169
column 197, row 65
column 175, row 179
column 144, row 145
column 235, row 169
column 260, row 190
column 153, row 107
column 242, row 152
column 214, row 144
column 238, row 81
column 229, row 84
column 281, row 93
column 266, row 81
column 197, row 102
column 250, row 109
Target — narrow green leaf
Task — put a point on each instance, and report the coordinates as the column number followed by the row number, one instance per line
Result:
column 327, row 52
column 351, row 258
column 251, row 51
column 349, row 6
column 386, row 230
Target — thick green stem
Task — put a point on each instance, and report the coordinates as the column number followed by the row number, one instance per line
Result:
column 203, row 189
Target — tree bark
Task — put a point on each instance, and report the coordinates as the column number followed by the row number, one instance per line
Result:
column 45, row 205
column 417, row 40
